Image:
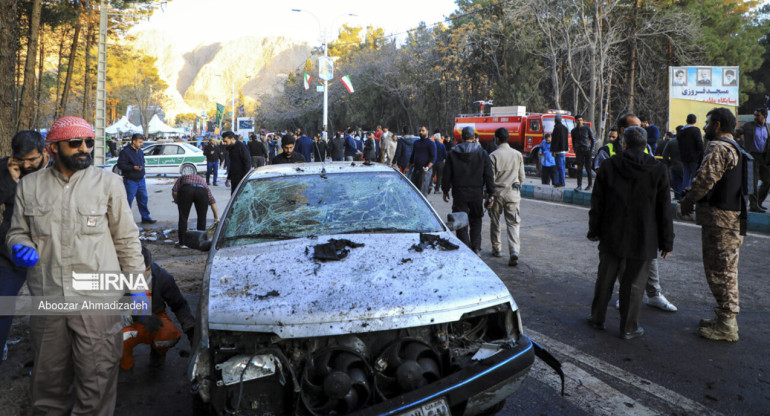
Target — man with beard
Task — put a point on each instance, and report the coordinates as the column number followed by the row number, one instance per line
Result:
column 422, row 160
column 288, row 155
column 131, row 165
column 77, row 219
column 468, row 173
column 28, row 149
column 240, row 160
column 718, row 188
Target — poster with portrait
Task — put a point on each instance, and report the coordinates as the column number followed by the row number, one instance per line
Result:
column 325, row 68
column 708, row 84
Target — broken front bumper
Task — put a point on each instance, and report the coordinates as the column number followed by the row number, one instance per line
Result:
column 469, row 391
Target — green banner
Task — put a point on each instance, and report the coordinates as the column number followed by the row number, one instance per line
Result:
column 220, row 112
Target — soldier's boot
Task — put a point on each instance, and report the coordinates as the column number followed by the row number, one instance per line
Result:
column 724, row 329
column 708, row 323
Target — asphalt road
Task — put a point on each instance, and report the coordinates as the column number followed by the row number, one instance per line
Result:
column 669, row 371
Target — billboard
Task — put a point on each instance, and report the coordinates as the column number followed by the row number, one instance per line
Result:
column 698, row 89
column 245, row 125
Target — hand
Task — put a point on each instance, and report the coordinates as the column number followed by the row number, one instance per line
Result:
column 152, row 323
column 14, row 170
column 138, row 168
column 685, row 207
column 24, row 256
column 490, row 202
column 664, row 254
column 446, row 197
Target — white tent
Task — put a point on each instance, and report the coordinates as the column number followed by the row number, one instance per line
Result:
column 156, row 126
column 122, row 126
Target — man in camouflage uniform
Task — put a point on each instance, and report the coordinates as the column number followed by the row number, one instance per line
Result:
column 717, row 189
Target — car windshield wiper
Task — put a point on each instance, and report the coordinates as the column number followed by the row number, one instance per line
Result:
column 381, row 230
column 262, row 235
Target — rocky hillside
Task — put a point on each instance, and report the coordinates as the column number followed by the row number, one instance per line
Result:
column 205, row 75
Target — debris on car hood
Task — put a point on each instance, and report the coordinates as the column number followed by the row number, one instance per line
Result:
column 433, row 241
column 366, row 292
column 334, row 250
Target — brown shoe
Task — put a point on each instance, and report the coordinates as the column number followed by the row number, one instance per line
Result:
column 724, row 329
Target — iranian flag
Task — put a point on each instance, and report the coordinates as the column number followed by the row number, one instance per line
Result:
column 307, row 81
column 346, row 82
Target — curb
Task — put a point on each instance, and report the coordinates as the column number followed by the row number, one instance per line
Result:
column 757, row 222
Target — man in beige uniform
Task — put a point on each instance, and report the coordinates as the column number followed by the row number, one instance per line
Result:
column 77, row 218
column 508, row 167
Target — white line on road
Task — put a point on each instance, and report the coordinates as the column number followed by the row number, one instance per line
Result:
column 589, row 393
column 672, row 398
column 682, row 223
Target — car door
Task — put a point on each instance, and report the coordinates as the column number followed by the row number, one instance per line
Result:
column 151, row 155
column 171, row 156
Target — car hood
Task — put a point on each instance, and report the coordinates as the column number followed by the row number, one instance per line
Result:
column 278, row 287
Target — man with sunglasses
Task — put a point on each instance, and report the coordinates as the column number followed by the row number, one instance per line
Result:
column 73, row 220
column 131, row 165
column 28, row 149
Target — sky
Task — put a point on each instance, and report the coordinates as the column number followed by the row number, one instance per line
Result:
column 194, row 22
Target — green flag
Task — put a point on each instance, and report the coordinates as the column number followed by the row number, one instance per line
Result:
column 220, row 112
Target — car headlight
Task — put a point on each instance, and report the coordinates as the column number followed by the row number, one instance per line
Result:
column 247, row 367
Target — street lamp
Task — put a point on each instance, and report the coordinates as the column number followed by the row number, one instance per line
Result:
column 326, row 55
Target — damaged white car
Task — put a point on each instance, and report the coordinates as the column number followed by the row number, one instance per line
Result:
column 336, row 289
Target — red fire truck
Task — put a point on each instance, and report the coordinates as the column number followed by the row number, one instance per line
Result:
column 526, row 130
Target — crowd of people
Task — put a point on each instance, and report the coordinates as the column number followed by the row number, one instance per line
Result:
column 67, row 214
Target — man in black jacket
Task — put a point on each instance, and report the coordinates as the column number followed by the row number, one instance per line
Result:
column 583, row 144
column 288, row 155
column 337, row 147
column 756, row 136
column 690, row 149
column 559, row 148
column 131, row 165
column 156, row 328
column 631, row 218
column 257, row 151
column 240, row 160
column 212, row 161
column 467, row 173
column 319, row 148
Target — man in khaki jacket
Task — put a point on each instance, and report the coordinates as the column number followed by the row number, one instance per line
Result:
column 508, row 167
column 77, row 219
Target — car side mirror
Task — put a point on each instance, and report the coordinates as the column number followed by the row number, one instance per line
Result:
column 456, row 220
column 197, row 240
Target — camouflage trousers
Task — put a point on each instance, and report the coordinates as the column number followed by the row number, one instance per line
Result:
column 721, row 249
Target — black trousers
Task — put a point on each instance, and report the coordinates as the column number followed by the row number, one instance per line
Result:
column 438, row 170
column 187, row 196
column 257, row 161
column 583, row 160
column 475, row 211
column 632, row 283
column 761, row 172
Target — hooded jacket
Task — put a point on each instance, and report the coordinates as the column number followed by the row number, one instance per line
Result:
column 631, row 207
column 404, row 150
column 468, row 173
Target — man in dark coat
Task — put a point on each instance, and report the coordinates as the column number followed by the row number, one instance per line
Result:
column 756, row 136
column 583, row 144
column 559, row 148
column 370, row 147
column 468, row 173
column 631, row 218
column 303, row 145
column 319, row 148
column 240, row 159
column 404, row 150
column 257, row 151
column 690, row 149
column 337, row 147
column 288, row 155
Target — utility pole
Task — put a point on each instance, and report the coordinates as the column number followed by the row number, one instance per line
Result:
column 101, row 88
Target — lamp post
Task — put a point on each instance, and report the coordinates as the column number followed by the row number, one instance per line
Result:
column 326, row 55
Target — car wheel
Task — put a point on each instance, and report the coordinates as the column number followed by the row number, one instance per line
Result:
column 115, row 170
column 188, row 170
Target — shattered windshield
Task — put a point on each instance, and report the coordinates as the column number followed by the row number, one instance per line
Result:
column 311, row 205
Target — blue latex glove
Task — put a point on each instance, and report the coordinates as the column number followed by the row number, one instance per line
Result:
column 24, row 256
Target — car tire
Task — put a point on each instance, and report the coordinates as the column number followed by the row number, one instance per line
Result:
column 188, row 169
column 199, row 407
column 116, row 171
